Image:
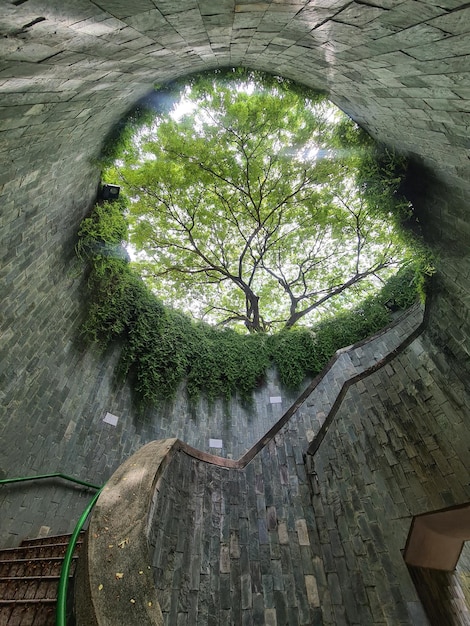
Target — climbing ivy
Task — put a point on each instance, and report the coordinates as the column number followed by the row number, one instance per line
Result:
column 161, row 347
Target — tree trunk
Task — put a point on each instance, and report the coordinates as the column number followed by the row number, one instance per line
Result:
column 253, row 320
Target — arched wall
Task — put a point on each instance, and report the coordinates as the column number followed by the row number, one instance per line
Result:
column 68, row 72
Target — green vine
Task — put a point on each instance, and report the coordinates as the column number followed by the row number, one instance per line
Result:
column 161, row 347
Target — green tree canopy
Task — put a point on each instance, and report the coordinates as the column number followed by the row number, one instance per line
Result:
column 254, row 207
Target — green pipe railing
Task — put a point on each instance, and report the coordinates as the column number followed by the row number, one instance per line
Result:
column 61, row 610
column 23, row 479
column 62, row 592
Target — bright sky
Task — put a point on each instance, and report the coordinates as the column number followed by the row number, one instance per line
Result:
column 183, row 107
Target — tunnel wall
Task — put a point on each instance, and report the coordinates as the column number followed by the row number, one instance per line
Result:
column 70, row 70
column 398, row 447
column 283, row 542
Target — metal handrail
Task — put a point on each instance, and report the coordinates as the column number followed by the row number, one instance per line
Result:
column 61, row 610
column 22, row 479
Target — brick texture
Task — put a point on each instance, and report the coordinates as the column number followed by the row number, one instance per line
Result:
column 68, row 72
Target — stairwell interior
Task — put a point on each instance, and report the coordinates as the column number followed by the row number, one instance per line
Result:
column 291, row 538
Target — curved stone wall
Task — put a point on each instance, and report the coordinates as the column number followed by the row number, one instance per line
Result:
column 68, row 73
column 69, row 70
column 114, row 582
column 283, row 542
column 97, row 448
column 398, row 447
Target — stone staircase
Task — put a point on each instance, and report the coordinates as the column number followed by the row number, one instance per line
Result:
column 29, row 579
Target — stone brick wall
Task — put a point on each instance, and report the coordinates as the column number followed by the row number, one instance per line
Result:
column 235, row 547
column 68, row 72
column 79, row 442
column 66, row 77
column 281, row 542
column 259, row 552
column 399, row 446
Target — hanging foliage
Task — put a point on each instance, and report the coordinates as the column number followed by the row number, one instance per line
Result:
column 160, row 346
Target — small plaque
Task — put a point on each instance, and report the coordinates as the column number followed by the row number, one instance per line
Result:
column 109, row 418
column 44, row 531
column 215, row 443
column 275, row 399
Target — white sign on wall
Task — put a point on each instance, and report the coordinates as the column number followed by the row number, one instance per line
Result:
column 215, row 443
column 109, row 418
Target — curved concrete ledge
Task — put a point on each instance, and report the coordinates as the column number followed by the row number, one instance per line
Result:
column 115, row 577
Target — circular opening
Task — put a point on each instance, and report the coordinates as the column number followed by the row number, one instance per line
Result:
column 255, row 205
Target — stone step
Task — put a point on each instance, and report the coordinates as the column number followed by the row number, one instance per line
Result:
column 29, row 579
column 34, row 552
column 33, row 567
column 50, row 539
column 29, row 587
column 27, row 613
